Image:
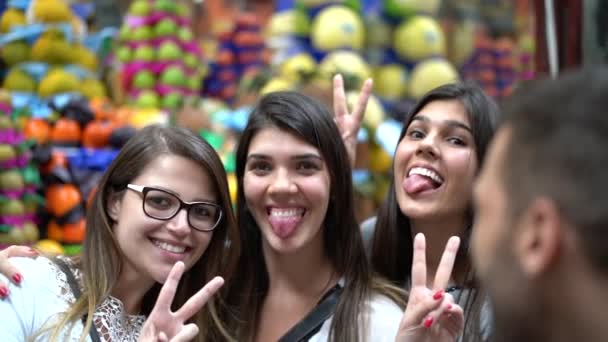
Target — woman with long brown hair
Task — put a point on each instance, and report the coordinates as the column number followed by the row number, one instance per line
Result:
column 302, row 247
column 162, row 209
column 441, row 147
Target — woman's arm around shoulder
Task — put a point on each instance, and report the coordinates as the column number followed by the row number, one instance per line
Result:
column 29, row 303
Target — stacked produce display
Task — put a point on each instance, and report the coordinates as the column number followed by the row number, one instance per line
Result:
column 240, row 52
column 73, row 94
column 400, row 44
column 159, row 60
column 48, row 53
column 51, row 60
column 19, row 181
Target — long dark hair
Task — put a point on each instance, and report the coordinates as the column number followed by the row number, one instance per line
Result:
column 101, row 262
column 306, row 118
column 392, row 244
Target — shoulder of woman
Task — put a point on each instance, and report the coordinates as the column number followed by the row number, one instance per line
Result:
column 32, row 302
column 384, row 318
column 383, row 311
column 367, row 232
column 382, row 305
column 369, row 224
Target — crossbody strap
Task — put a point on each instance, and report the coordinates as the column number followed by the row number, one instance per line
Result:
column 76, row 291
column 311, row 324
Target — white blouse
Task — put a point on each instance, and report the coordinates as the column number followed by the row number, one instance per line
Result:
column 44, row 294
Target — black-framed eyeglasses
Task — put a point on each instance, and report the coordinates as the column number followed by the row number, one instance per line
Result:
column 163, row 205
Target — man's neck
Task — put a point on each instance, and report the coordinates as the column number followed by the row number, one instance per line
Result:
column 574, row 310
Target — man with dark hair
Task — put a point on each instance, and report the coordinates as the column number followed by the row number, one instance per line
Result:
column 540, row 241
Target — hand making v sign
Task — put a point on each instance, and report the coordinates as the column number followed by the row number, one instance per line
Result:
column 165, row 326
column 431, row 315
column 350, row 123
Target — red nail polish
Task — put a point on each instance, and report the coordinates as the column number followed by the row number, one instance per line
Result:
column 428, row 322
column 438, row 295
column 17, row 278
column 3, row 291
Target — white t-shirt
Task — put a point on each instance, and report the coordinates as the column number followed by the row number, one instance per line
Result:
column 44, row 294
column 383, row 317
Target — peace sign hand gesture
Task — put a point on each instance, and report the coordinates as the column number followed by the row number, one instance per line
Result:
column 350, row 123
column 163, row 325
column 431, row 315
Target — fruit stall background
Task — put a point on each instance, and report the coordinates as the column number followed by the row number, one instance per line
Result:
column 78, row 78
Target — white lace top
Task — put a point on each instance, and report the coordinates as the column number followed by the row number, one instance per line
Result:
column 45, row 294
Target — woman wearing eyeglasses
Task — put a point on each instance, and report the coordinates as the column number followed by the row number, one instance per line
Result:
column 162, row 210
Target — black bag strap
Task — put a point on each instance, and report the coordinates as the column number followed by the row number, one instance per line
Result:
column 311, row 324
column 76, row 291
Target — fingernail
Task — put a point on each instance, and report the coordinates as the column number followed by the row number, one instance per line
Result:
column 438, row 295
column 33, row 251
column 3, row 291
column 428, row 322
column 17, row 278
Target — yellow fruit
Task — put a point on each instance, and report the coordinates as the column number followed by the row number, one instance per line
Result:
column 232, row 186
column 85, row 58
column 11, row 17
column 287, row 23
column 390, row 81
column 15, row 52
column 52, row 48
column 462, row 42
column 42, row 49
column 418, row 38
column 337, row 27
column 58, row 81
column 430, row 74
column 379, row 160
column 276, row 84
column 63, row 53
column 92, row 88
column 148, row 116
column 18, row 80
column 51, row 11
column 49, row 247
column 297, row 66
column 347, row 63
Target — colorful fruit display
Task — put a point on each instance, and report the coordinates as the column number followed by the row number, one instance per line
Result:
column 498, row 64
column 19, row 183
column 73, row 148
column 400, row 44
column 49, row 54
column 159, row 61
column 240, row 50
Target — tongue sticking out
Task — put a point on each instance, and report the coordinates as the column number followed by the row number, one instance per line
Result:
column 284, row 227
column 415, row 184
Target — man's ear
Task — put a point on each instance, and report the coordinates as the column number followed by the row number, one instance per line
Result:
column 114, row 203
column 538, row 239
